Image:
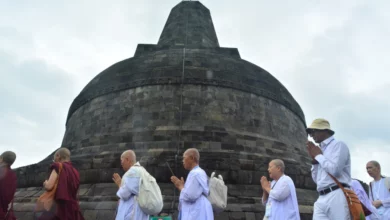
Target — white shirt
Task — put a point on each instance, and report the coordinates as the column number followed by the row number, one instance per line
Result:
column 128, row 208
column 382, row 193
column 283, row 200
column 336, row 160
column 194, row 204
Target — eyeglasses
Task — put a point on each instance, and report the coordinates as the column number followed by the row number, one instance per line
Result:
column 311, row 132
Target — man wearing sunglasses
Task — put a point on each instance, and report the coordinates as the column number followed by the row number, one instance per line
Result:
column 330, row 157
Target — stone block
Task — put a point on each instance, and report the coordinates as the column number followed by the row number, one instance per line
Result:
column 90, row 214
column 87, row 205
column 106, row 205
column 221, row 216
column 237, row 216
column 105, row 214
column 250, row 216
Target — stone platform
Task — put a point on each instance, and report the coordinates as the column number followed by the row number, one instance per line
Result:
column 98, row 202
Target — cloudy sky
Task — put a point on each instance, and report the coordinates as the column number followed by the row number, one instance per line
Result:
column 330, row 55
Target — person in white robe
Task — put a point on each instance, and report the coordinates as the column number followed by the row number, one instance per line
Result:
column 379, row 190
column 357, row 187
column 128, row 208
column 193, row 202
column 279, row 196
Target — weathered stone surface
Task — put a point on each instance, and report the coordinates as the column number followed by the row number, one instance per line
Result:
column 90, row 214
column 99, row 204
column 176, row 95
column 250, row 216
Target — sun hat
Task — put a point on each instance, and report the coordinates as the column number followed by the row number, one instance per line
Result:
column 319, row 124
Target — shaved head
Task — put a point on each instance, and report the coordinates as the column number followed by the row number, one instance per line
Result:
column 374, row 169
column 63, row 154
column 279, row 163
column 194, row 153
column 128, row 159
column 375, row 163
column 129, row 154
column 8, row 157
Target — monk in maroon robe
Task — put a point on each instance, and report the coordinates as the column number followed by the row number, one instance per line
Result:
column 7, row 184
column 67, row 205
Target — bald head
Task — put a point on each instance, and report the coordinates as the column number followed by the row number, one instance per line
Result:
column 194, row 153
column 374, row 169
column 129, row 154
column 279, row 163
column 8, row 157
column 128, row 159
column 63, row 154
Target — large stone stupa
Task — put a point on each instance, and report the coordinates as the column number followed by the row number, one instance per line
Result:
column 185, row 91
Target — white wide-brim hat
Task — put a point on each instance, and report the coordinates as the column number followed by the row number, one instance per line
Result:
column 319, row 124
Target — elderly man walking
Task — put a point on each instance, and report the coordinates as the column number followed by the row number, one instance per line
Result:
column 129, row 188
column 193, row 202
column 379, row 190
column 279, row 196
column 330, row 158
column 7, row 184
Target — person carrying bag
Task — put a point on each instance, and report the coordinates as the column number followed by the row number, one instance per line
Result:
column 356, row 208
column 46, row 200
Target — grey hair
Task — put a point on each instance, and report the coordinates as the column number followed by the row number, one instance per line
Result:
column 130, row 154
column 8, row 157
column 194, row 153
column 376, row 164
column 279, row 163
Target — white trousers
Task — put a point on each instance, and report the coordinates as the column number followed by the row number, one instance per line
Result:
column 332, row 206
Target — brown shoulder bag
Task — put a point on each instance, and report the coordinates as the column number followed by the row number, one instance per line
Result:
column 46, row 200
column 354, row 204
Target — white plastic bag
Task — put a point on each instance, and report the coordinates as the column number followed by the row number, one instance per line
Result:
column 218, row 193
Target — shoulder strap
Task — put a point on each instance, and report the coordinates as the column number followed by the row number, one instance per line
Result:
column 60, row 169
column 387, row 183
column 372, row 195
column 337, row 182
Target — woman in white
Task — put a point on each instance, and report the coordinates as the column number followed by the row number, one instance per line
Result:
column 279, row 196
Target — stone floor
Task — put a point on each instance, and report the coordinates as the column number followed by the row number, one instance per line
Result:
column 98, row 202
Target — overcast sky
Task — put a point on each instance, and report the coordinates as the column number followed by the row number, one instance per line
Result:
column 330, row 56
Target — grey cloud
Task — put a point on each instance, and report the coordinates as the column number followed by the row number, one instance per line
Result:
column 34, row 98
column 343, row 78
column 322, row 86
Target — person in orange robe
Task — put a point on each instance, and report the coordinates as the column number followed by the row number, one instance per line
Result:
column 7, row 184
column 67, row 205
